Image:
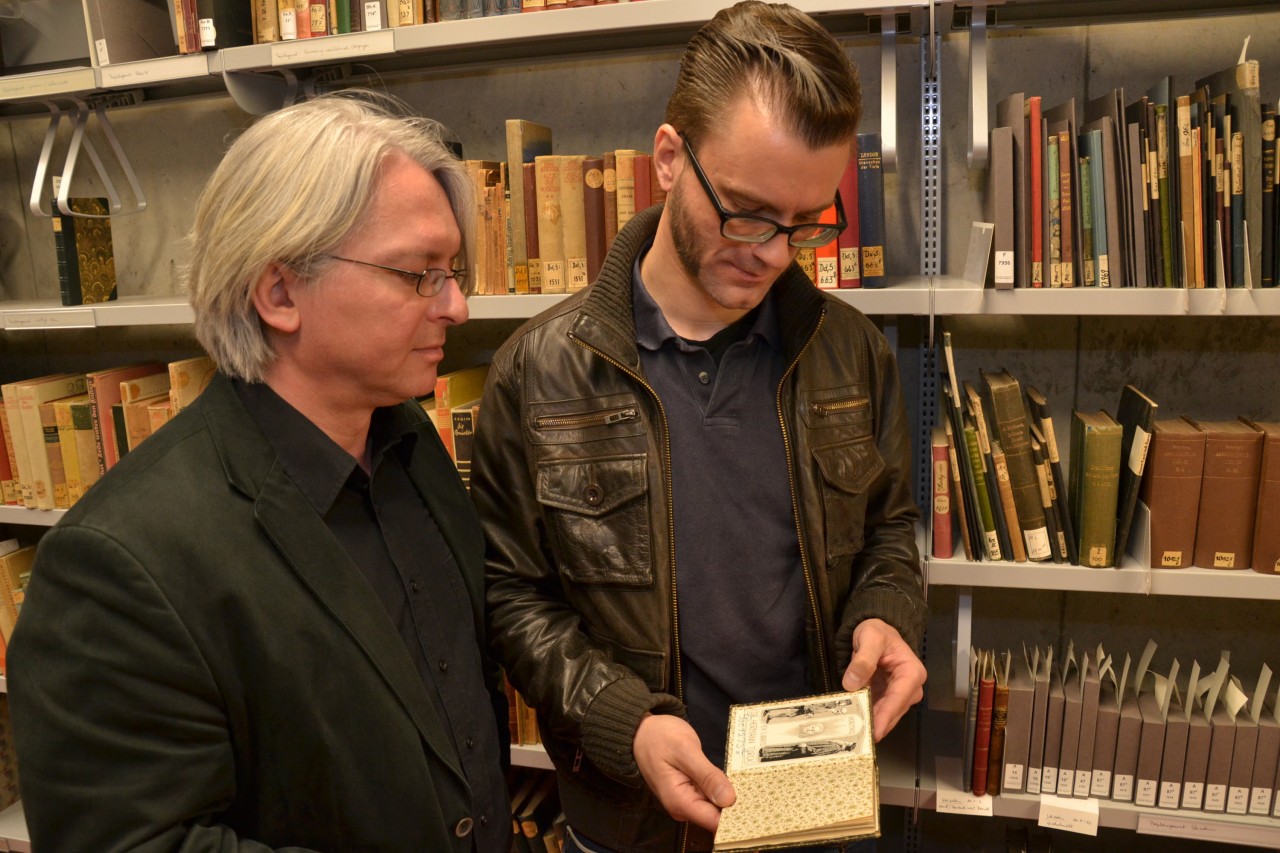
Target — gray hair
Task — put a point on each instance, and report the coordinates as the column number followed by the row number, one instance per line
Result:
column 290, row 189
column 775, row 53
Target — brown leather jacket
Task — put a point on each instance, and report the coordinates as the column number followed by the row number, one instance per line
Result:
column 570, row 475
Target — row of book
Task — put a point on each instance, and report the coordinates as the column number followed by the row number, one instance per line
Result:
column 537, row 824
column 1164, row 191
column 1210, row 489
column 15, row 571
column 1090, row 726
column 63, row 431
column 548, row 230
column 129, row 32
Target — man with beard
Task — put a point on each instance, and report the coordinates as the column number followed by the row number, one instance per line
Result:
column 694, row 475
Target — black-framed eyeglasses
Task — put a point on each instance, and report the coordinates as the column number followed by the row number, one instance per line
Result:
column 749, row 228
column 428, row 282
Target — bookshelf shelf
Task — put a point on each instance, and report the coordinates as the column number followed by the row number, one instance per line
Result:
column 1129, row 579
column 42, row 84
column 531, row 755
column 13, row 829
column 127, row 311
column 953, row 296
column 31, row 517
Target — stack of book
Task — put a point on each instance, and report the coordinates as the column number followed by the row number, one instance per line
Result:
column 61, row 432
column 1166, row 190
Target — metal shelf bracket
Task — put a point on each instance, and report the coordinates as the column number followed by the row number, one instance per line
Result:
column 80, row 140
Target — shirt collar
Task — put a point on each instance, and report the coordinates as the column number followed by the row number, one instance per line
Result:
column 653, row 330
column 315, row 462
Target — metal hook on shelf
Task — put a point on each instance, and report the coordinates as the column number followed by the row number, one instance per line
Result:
column 889, row 91
column 978, row 86
column 80, row 140
column 260, row 93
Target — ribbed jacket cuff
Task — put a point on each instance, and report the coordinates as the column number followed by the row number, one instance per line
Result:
column 899, row 610
column 609, row 727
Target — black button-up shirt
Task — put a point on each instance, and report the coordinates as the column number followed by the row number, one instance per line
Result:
column 386, row 528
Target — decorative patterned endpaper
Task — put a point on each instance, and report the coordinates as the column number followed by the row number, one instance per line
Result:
column 804, row 771
column 93, row 248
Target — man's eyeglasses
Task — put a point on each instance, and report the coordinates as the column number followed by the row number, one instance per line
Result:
column 748, row 228
column 428, row 282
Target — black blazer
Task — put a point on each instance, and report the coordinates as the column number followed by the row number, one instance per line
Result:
column 199, row 665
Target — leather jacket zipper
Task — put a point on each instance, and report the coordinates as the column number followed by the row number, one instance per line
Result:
column 836, row 407
column 823, row 409
column 588, row 419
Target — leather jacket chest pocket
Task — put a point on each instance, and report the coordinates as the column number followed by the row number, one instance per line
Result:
column 848, row 469
column 598, row 512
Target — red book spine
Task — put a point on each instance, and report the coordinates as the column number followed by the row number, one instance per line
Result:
column 644, row 197
column 847, row 244
column 1036, row 177
column 982, row 734
column 527, row 174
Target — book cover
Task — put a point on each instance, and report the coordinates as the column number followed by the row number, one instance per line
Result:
column 137, row 418
column 463, row 419
column 1033, row 133
column 454, row 389
column 643, row 166
column 530, row 181
column 625, row 174
column 1135, row 415
column 1001, row 509
column 967, row 737
column 999, row 721
column 1094, row 486
column 1053, row 731
column 9, row 489
column 1000, row 471
column 1017, row 728
column 850, row 251
column 1011, row 112
column 871, row 225
column 1106, row 729
column 957, row 500
column 188, row 377
column 1269, row 217
column 573, row 222
column 129, row 30
column 229, row 23
column 998, row 208
column 526, row 140
column 1171, row 490
column 551, row 246
column 1009, row 422
column 818, row 749
column 1228, row 495
column 1040, row 670
column 943, row 543
column 53, row 452
column 86, row 448
column 1090, row 698
column 30, row 396
column 1177, row 728
column 1052, row 512
column 1042, row 417
column 86, row 260
column 104, row 392
column 1072, row 712
column 1266, row 521
column 593, row 214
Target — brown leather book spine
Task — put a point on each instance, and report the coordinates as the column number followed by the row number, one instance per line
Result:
column 1171, row 491
column 982, row 733
column 1228, row 495
column 995, row 752
column 610, row 197
column 1266, row 527
column 593, row 214
column 531, row 227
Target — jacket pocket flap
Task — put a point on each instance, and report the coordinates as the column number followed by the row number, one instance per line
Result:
column 850, row 467
column 592, row 487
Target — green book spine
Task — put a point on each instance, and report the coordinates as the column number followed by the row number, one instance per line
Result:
column 1162, row 181
column 1055, row 216
column 1088, row 253
column 989, row 535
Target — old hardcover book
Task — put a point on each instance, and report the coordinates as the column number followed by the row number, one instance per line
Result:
column 530, row 181
column 526, row 140
column 188, row 377
column 970, row 718
column 86, row 260
column 1228, row 495
column 137, row 418
column 1042, row 416
column 999, row 721
column 159, row 412
column 1053, row 211
column 1011, row 112
column 1004, row 395
column 129, row 30
column 86, row 447
column 13, row 563
column 593, row 214
column 998, row 208
column 551, row 248
column 827, row 260
column 30, row 396
column 16, row 437
column 1111, row 202
column 941, row 530
column 847, row 244
column 573, row 221
column 1269, row 217
column 9, row 488
column 644, row 180
column 1171, row 490
column 626, row 184
column 610, row 159
column 982, row 489
column 1000, row 473
column 1135, row 415
column 53, row 450
column 957, row 493
column 818, row 749
column 1000, row 508
column 1266, row 524
column 1052, row 511
column 229, row 23
column 1033, row 133
column 453, row 389
column 463, row 420
column 1095, row 485
column 1017, row 727
column 104, row 392
column 871, row 224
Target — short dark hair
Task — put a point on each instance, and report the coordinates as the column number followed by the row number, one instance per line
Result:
column 778, row 54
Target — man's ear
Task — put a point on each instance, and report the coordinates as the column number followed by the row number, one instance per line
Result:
column 273, row 297
column 667, row 146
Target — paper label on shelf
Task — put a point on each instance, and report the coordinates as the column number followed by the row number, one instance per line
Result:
column 101, row 46
column 1069, row 815
column 54, row 318
column 1004, row 267
column 1012, row 777
column 333, row 47
column 1181, row 826
column 372, row 17
column 952, row 798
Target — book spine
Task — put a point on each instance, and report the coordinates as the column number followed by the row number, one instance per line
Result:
column 995, row 752
column 610, row 160
column 1035, row 185
column 573, row 220
column 534, row 263
column 850, row 252
column 1088, row 251
column 1237, row 211
column 86, row 447
column 982, row 735
column 9, row 490
column 1015, row 438
column 288, row 20
column 625, row 161
column 807, row 260
column 644, row 195
column 1102, row 247
column 871, row 225
column 1000, row 466
column 1066, row 205
column 53, row 456
column 551, row 249
column 827, row 259
column 593, row 212
column 957, row 494
column 991, row 541
column 943, row 543
column 64, row 246
column 1055, row 213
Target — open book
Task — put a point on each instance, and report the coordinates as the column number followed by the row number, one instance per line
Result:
column 804, row 771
